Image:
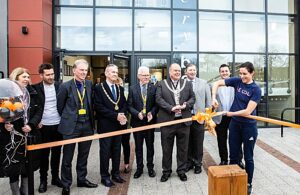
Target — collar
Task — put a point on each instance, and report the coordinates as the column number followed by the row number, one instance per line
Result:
column 109, row 83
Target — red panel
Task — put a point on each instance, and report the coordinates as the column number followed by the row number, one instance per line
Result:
column 29, row 58
column 47, row 56
column 25, row 10
column 47, row 39
column 34, row 38
column 47, row 11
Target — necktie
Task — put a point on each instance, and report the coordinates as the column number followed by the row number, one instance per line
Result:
column 144, row 90
column 113, row 91
column 80, row 87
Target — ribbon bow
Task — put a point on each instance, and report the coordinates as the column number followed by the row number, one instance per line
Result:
column 207, row 117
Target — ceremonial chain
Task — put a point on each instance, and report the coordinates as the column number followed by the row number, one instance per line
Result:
column 114, row 102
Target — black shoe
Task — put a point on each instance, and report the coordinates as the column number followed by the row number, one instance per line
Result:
column 57, row 182
column 249, row 186
column 165, row 177
column 137, row 174
column 65, row 191
column 242, row 165
column 188, row 168
column 151, row 173
column 197, row 170
column 43, row 187
column 118, row 179
column 107, row 182
column 86, row 184
column 182, row 177
column 223, row 162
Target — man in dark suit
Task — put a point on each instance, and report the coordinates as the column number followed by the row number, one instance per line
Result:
column 141, row 105
column 111, row 108
column 74, row 104
column 47, row 90
column 175, row 99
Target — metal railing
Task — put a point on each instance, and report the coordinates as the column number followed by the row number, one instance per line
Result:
column 282, row 112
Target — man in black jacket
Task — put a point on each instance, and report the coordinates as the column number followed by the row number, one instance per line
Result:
column 111, row 108
column 47, row 90
column 74, row 104
column 141, row 105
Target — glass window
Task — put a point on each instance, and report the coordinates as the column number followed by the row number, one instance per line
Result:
column 184, row 59
column 253, row 5
column 259, row 64
column 281, row 6
column 215, row 4
column 250, row 33
column 152, row 30
column 281, row 34
column 113, row 29
column 185, row 4
column 209, row 65
column 184, row 31
column 75, row 28
column 152, row 3
column 281, row 85
column 73, row 2
column 114, row 2
column 215, row 32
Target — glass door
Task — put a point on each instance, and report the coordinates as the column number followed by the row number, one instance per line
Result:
column 123, row 63
column 158, row 66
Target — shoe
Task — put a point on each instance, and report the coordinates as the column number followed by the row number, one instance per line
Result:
column 107, row 182
column 223, row 162
column 188, row 168
column 57, row 182
column 197, row 170
column 151, row 173
column 126, row 170
column 242, row 165
column 43, row 187
column 86, row 184
column 118, row 179
column 137, row 174
column 165, row 177
column 249, row 188
column 182, row 177
column 65, row 191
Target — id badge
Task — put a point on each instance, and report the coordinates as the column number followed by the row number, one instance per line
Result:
column 144, row 111
column 82, row 111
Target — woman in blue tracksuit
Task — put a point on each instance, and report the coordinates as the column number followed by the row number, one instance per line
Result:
column 242, row 130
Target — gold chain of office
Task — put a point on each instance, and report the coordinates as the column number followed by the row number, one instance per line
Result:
column 112, row 101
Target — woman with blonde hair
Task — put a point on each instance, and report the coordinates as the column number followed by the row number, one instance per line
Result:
column 26, row 126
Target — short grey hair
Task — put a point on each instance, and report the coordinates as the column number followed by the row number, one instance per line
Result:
column 110, row 66
column 143, row 68
column 80, row 61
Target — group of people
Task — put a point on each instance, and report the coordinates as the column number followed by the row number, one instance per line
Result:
column 68, row 110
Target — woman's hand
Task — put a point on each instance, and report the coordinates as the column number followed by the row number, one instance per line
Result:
column 214, row 103
column 8, row 126
column 26, row 129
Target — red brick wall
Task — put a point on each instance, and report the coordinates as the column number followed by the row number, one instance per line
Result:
column 29, row 50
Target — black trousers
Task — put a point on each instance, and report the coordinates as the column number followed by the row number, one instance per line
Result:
column 49, row 134
column 82, row 129
column 110, row 148
column 126, row 147
column 222, row 136
column 139, row 138
column 181, row 132
column 196, row 138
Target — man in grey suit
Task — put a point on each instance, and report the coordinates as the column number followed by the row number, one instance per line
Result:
column 203, row 100
column 175, row 99
column 74, row 104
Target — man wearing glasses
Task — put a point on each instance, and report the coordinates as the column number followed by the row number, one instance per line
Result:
column 141, row 105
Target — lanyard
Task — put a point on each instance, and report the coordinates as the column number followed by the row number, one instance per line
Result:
column 81, row 98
